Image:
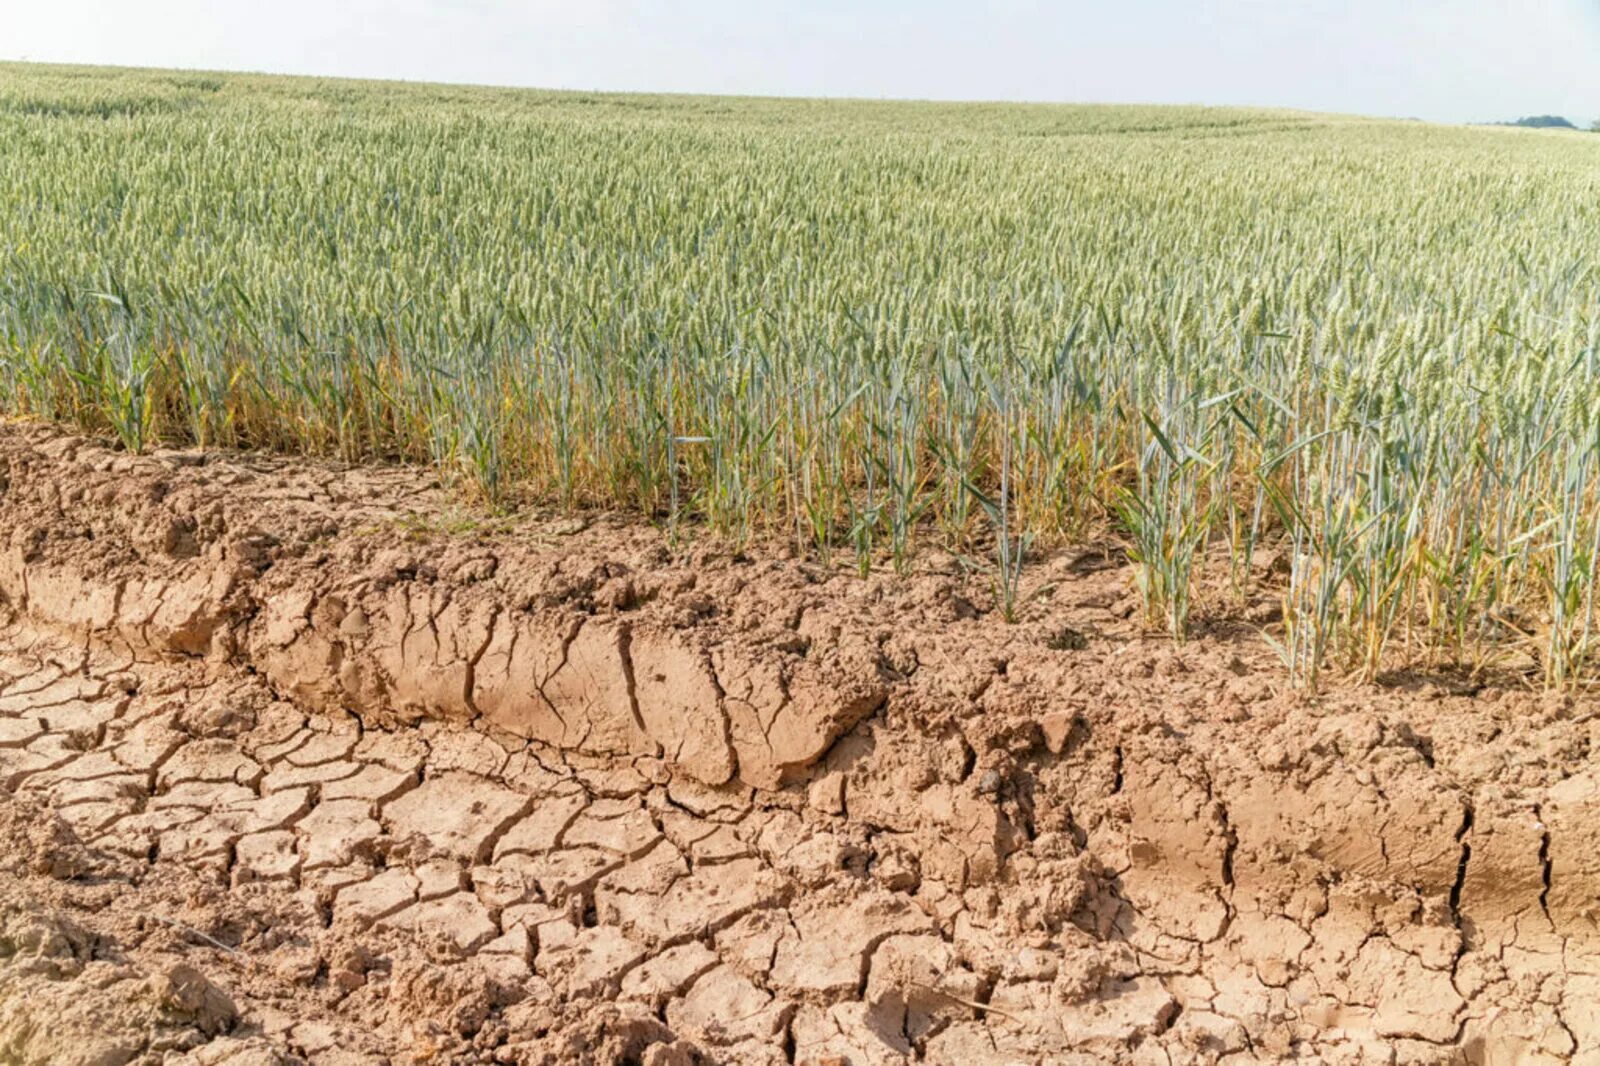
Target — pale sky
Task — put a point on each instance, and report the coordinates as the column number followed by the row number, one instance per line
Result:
column 1445, row 60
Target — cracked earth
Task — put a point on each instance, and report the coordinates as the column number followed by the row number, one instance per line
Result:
column 304, row 763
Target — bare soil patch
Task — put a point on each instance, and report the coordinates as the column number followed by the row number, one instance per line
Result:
column 299, row 763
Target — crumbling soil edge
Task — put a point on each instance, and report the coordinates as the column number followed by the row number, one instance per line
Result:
column 1291, row 876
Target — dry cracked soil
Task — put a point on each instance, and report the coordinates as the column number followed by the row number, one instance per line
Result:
column 301, row 762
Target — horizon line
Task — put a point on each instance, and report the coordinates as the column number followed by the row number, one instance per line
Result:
column 774, row 96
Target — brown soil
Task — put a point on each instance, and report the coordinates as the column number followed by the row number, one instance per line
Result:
column 299, row 763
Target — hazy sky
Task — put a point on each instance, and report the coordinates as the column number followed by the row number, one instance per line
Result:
column 1452, row 60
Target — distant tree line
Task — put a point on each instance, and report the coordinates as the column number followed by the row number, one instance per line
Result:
column 1544, row 122
column 1550, row 122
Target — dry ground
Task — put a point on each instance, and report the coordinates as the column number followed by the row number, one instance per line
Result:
column 299, row 763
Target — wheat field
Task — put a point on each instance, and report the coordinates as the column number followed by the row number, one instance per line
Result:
column 862, row 327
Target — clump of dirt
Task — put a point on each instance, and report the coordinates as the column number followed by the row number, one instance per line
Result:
column 300, row 764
